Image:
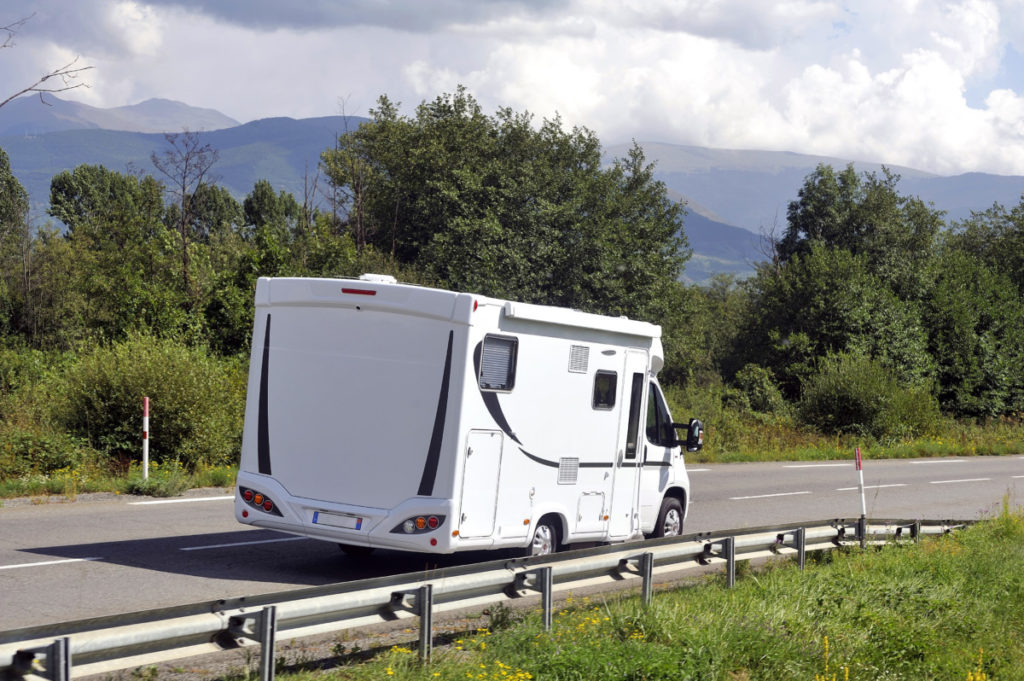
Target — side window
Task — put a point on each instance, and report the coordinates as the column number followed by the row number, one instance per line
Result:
column 605, row 383
column 659, row 423
column 498, row 363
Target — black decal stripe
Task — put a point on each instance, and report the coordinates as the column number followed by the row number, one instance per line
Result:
column 658, row 464
column 434, row 450
column 554, row 464
column 263, row 425
column 491, row 400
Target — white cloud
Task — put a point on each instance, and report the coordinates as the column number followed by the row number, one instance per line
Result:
column 879, row 80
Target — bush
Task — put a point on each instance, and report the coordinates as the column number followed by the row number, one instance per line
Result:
column 196, row 401
column 852, row 393
column 24, row 451
column 761, row 389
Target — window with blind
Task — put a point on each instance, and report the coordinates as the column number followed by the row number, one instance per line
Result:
column 498, row 363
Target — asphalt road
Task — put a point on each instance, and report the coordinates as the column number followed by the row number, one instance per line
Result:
column 68, row 561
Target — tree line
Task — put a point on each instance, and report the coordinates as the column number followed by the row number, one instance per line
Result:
column 870, row 313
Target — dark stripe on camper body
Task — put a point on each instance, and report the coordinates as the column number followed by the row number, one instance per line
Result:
column 263, row 425
column 434, row 450
column 555, row 464
column 491, row 400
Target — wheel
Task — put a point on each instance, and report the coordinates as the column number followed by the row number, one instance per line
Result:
column 545, row 539
column 355, row 551
column 670, row 519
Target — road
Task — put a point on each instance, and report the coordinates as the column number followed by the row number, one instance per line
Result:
column 68, row 561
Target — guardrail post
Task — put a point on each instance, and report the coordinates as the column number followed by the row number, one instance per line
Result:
column 545, row 582
column 647, row 572
column 801, row 546
column 425, row 606
column 915, row 531
column 268, row 634
column 729, row 549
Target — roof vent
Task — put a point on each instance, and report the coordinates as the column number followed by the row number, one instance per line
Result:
column 378, row 278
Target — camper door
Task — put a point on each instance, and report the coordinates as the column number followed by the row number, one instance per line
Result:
column 624, row 518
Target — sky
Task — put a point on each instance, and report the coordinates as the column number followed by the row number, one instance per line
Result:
column 936, row 85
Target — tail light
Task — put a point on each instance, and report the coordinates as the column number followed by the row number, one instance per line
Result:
column 259, row 501
column 419, row 524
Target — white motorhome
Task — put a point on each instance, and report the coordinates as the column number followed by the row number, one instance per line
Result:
column 387, row 415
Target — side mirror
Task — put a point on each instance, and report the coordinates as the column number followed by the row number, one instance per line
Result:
column 694, row 436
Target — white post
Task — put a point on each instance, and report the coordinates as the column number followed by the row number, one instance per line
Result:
column 860, row 472
column 145, row 438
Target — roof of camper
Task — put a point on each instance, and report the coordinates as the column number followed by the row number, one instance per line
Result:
column 372, row 291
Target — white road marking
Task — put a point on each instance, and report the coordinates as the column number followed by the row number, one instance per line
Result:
column 180, row 501
column 946, row 482
column 241, row 543
column 47, row 562
column 697, row 470
column 852, row 489
column 766, row 496
column 919, row 463
column 820, row 465
column 1019, row 476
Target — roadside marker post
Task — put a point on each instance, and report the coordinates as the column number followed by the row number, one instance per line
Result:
column 145, row 438
column 862, row 525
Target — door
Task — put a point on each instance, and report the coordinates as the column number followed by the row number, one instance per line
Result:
column 624, row 517
column 480, row 469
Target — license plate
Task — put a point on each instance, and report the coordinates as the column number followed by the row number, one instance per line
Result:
column 348, row 522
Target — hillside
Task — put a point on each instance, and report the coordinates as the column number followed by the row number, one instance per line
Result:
column 731, row 195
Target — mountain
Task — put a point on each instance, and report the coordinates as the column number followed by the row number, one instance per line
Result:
column 752, row 189
column 30, row 116
column 731, row 195
column 280, row 150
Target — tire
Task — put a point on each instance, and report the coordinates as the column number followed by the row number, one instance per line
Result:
column 670, row 519
column 355, row 551
column 545, row 539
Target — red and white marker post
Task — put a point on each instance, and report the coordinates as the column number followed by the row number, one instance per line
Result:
column 145, row 438
column 860, row 472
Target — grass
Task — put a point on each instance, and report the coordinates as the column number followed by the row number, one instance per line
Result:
column 947, row 608
column 165, row 480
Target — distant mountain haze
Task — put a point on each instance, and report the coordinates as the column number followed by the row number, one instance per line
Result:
column 732, row 196
column 31, row 115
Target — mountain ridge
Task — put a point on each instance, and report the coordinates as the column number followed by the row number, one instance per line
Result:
column 732, row 196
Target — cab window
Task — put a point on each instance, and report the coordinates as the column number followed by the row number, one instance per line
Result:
column 659, row 422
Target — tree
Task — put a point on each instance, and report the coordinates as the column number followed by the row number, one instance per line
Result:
column 996, row 236
column 59, row 79
column 122, row 250
column 865, row 215
column 496, row 205
column 975, row 318
column 14, row 237
column 186, row 164
column 828, row 301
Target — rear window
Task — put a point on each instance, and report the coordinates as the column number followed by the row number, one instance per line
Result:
column 498, row 363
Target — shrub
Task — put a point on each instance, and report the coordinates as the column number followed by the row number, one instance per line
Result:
column 761, row 389
column 24, row 451
column 196, row 401
column 852, row 393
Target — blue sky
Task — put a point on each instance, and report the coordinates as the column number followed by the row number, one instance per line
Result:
column 931, row 84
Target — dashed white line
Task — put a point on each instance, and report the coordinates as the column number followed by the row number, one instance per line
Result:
column 1019, row 476
column 922, row 463
column 947, row 482
column 48, row 562
column 180, row 501
column 697, row 470
column 819, row 465
column 241, row 543
column 766, row 496
column 852, row 489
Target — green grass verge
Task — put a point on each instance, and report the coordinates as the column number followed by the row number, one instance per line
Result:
column 165, row 479
column 948, row 608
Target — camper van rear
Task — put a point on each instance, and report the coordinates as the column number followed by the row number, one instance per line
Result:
column 388, row 415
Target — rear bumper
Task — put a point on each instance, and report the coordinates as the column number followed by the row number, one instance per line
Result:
column 345, row 523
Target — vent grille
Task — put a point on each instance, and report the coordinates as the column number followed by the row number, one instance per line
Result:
column 579, row 358
column 568, row 471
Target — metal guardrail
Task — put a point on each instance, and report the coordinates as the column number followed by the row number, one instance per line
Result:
column 124, row 641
